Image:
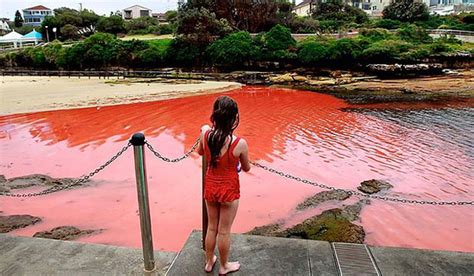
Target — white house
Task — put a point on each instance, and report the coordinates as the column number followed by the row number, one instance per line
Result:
column 135, row 11
column 4, row 28
column 304, row 8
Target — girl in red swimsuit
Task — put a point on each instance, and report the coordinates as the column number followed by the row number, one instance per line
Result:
column 223, row 152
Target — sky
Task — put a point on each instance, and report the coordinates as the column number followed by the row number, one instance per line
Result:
column 9, row 7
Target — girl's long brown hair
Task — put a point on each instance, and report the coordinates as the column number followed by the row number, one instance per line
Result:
column 225, row 119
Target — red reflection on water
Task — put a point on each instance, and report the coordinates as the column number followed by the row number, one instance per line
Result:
column 303, row 133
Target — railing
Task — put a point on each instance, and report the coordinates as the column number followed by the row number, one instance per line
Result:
column 138, row 142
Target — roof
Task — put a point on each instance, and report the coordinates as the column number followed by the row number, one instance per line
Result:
column 33, row 34
column 37, row 8
column 11, row 36
column 304, row 3
column 129, row 8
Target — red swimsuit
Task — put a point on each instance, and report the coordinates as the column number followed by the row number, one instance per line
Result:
column 222, row 182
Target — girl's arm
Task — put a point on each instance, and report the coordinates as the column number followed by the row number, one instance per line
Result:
column 200, row 149
column 244, row 155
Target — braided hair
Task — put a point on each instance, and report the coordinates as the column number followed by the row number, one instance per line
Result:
column 225, row 119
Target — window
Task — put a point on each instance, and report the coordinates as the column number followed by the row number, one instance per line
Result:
column 144, row 13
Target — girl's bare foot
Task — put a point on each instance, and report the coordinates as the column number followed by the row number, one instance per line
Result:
column 209, row 266
column 229, row 267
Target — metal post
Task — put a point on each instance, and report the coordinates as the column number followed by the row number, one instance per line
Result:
column 204, row 207
column 138, row 140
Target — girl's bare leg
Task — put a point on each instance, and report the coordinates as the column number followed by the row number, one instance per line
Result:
column 226, row 218
column 213, row 221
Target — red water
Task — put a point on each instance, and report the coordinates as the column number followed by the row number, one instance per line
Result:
column 425, row 152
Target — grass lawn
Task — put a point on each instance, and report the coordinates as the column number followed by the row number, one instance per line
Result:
column 146, row 37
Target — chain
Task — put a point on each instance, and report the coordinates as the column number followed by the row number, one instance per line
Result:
column 357, row 193
column 166, row 159
column 75, row 183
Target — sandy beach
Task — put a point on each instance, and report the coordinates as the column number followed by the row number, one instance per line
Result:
column 23, row 94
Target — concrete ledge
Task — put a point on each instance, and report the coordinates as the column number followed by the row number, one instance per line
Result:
column 261, row 256
column 36, row 256
column 280, row 256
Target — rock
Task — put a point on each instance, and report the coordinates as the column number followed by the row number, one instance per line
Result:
column 330, row 226
column 63, row 233
column 352, row 212
column 322, row 197
column 270, row 230
column 26, row 181
column 2, row 179
column 10, row 223
column 322, row 82
column 287, row 78
column 374, row 186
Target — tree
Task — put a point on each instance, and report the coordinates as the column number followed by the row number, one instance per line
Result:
column 171, row 16
column 200, row 27
column 113, row 24
column 406, row 11
column 69, row 31
column 18, row 19
column 234, row 49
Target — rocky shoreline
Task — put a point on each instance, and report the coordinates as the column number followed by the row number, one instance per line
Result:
column 333, row 225
column 357, row 89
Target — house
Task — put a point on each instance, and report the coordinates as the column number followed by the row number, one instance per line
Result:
column 135, row 11
column 161, row 17
column 4, row 27
column 304, row 8
column 34, row 16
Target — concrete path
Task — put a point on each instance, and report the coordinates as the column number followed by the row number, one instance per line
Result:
column 36, row 256
column 278, row 256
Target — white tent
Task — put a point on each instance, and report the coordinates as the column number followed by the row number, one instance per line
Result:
column 12, row 37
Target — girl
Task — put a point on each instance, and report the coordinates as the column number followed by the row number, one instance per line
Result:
column 223, row 152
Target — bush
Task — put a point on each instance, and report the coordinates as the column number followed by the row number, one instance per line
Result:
column 385, row 50
column 304, row 25
column 234, row 49
column 468, row 18
column 278, row 44
column 414, row 34
column 387, row 24
column 69, row 31
column 312, row 51
column 406, row 11
column 374, row 35
column 141, row 25
column 344, row 50
column 113, row 24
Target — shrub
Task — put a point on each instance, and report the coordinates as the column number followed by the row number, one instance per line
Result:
column 385, row 50
column 113, row 24
column 278, row 38
column 387, row 24
column 344, row 50
column 374, row 35
column 304, row 25
column 69, row 31
column 414, row 34
column 234, row 49
column 468, row 18
column 312, row 51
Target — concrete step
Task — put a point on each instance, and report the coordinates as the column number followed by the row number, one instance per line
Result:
column 280, row 256
column 36, row 256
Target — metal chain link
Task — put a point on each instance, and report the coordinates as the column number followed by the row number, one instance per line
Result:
column 75, row 183
column 175, row 160
column 357, row 193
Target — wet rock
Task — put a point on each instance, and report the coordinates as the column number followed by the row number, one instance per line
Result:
column 63, row 233
column 373, row 186
column 270, row 230
column 10, row 223
column 331, row 225
column 352, row 212
column 26, row 181
column 322, row 197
